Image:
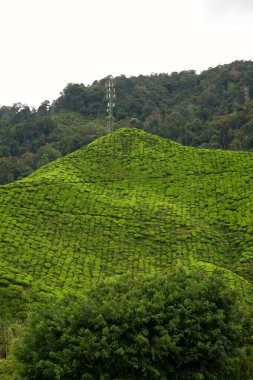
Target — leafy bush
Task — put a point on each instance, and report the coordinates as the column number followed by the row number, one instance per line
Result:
column 187, row 324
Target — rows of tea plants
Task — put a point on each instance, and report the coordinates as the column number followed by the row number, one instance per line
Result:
column 128, row 202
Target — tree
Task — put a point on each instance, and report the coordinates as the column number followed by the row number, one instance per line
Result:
column 187, row 324
column 47, row 154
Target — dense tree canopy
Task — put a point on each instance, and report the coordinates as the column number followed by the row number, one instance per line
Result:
column 204, row 110
column 187, row 324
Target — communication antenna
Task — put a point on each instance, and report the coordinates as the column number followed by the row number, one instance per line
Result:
column 246, row 94
column 110, row 96
column 52, row 108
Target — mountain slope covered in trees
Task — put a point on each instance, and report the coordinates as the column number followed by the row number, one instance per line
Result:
column 205, row 110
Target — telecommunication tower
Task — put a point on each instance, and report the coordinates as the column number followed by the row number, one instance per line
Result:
column 52, row 108
column 110, row 96
column 246, row 94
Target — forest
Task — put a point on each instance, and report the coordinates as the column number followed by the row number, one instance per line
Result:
column 212, row 109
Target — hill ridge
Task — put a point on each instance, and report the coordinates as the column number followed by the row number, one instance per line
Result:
column 89, row 215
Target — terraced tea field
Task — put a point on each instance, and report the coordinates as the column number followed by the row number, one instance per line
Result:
column 128, row 202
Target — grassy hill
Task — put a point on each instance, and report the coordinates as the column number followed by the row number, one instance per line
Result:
column 128, row 202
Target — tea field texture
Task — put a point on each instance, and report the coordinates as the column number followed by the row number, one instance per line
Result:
column 127, row 202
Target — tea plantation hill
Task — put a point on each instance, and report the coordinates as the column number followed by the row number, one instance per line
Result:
column 128, row 202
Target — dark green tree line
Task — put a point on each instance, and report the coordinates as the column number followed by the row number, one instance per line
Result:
column 202, row 110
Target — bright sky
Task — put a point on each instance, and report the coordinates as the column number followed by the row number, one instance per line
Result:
column 46, row 44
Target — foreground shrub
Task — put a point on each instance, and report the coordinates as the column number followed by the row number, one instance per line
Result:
column 183, row 325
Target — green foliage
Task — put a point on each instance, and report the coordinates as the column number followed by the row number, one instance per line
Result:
column 205, row 110
column 129, row 202
column 8, row 364
column 187, row 324
column 181, row 106
column 41, row 138
column 17, row 291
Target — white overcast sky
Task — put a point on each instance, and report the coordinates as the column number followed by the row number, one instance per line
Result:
column 46, row 44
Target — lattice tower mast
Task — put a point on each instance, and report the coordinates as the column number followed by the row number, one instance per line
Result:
column 246, row 94
column 110, row 96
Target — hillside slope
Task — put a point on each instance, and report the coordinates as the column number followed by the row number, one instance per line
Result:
column 129, row 201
